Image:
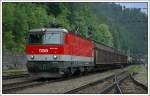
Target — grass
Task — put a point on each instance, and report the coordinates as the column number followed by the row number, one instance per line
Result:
column 139, row 69
column 144, row 77
column 13, row 72
column 134, row 68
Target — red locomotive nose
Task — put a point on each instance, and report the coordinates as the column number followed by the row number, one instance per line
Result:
column 44, row 49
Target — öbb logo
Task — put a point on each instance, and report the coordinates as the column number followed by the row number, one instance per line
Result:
column 43, row 50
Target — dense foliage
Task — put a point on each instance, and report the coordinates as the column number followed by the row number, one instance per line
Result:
column 108, row 23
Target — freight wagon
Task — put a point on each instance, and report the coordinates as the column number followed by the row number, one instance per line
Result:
column 107, row 57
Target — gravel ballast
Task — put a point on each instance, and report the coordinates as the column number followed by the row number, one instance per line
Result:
column 66, row 85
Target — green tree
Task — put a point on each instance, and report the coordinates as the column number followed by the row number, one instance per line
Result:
column 8, row 42
column 103, row 35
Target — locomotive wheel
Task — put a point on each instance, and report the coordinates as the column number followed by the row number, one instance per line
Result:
column 68, row 73
column 77, row 72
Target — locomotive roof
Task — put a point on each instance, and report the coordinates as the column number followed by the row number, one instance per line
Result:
column 49, row 29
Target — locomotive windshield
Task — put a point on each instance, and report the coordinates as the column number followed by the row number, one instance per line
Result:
column 46, row 38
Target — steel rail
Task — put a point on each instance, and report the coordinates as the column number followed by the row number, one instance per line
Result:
column 116, row 83
column 14, row 76
column 138, row 83
column 72, row 91
column 17, row 85
column 118, row 89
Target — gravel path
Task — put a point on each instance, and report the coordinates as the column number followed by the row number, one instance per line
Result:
column 64, row 86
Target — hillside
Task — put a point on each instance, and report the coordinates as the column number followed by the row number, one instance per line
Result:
column 108, row 23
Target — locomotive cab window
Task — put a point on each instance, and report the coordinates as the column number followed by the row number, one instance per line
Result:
column 35, row 38
column 46, row 38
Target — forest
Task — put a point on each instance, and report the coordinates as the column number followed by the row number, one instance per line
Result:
column 111, row 24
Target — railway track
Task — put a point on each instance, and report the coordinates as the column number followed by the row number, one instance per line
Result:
column 120, row 86
column 138, row 83
column 62, row 85
column 115, row 85
column 15, row 76
column 33, row 82
column 9, row 88
column 110, row 85
column 17, row 84
column 76, row 90
column 131, row 86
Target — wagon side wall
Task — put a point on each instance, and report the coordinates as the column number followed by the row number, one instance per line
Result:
column 106, row 55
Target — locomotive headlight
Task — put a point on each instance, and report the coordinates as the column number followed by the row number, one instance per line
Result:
column 32, row 57
column 43, row 30
column 55, row 57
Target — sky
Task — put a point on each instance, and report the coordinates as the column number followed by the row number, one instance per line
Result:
column 141, row 5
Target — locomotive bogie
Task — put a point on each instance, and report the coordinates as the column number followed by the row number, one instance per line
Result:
column 57, row 69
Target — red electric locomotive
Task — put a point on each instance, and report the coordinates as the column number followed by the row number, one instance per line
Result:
column 55, row 52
